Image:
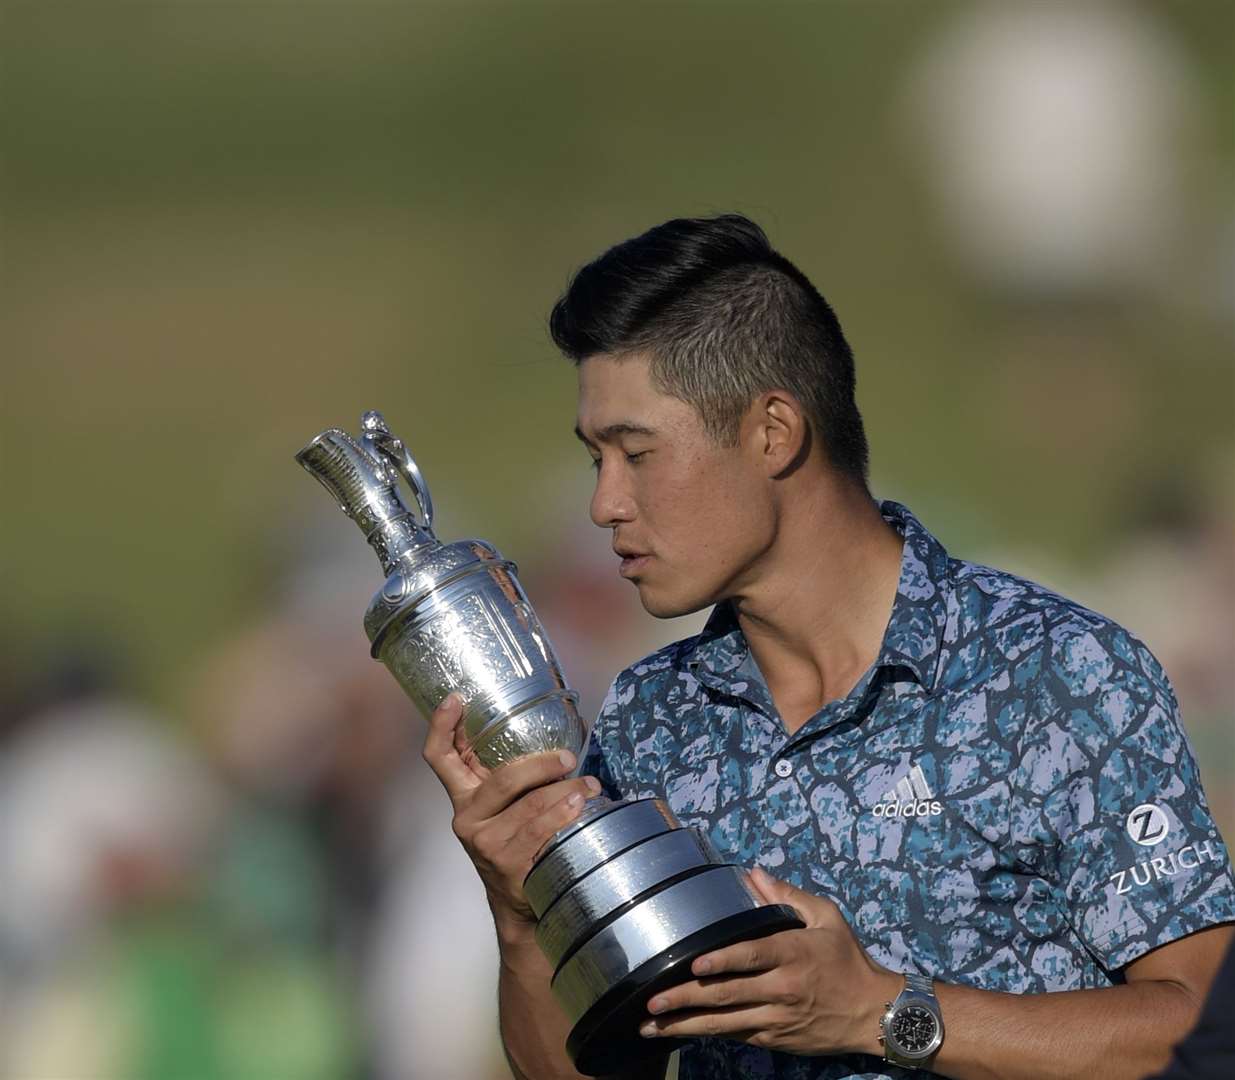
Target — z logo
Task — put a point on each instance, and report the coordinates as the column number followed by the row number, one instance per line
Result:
column 1148, row 825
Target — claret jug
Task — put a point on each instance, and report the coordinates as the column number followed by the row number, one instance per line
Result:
column 625, row 896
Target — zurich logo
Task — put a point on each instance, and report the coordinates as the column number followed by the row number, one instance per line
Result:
column 1148, row 824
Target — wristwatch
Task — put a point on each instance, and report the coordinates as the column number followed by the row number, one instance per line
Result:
column 912, row 1027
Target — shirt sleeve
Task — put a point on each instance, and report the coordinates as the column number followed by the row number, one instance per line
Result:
column 597, row 761
column 1107, row 803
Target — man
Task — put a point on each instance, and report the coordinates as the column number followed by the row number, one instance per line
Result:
column 973, row 790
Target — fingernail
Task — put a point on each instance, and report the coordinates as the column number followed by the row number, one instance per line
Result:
column 593, row 785
column 647, row 1030
column 657, row 1004
column 566, row 758
column 701, row 967
column 574, row 799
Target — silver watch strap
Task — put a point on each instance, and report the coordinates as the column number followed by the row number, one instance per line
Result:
column 918, row 990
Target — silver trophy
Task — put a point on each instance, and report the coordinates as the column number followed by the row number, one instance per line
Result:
column 625, row 897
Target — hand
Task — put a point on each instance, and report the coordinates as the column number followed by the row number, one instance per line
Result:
column 503, row 817
column 809, row 991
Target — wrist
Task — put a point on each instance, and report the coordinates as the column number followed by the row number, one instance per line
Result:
column 864, row 1035
column 913, row 1027
column 515, row 931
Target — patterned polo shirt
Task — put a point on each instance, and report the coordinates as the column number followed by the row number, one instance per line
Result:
column 1005, row 800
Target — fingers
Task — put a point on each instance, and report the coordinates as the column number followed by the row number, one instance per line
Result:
column 504, row 847
column 746, row 956
column 440, row 751
column 513, row 838
column 729, row 991
column 503, row 817
column 766, row 885
column 815, row 911
column 739, row 1022
column 470, row 760
column 510, row 782
column 740, row 1006
column 521, row 805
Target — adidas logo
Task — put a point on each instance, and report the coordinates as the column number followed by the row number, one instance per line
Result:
column 911, row 797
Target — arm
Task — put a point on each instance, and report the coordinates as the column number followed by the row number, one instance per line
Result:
column 1118, row 1031
column 502, row 819
column 815, row 991
column 533, row 1026
column 1210, row 1046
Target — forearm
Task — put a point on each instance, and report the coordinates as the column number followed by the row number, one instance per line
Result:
column 533, row 1026
column 1115, row 1032
column 815, row 991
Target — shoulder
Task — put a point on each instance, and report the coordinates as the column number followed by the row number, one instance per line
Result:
column 1081, row 683
column 1064, row 680
column 1079, row 645
column 1019, row 596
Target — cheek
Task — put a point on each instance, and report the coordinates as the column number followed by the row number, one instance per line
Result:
column 742, row 528
column 712, row 515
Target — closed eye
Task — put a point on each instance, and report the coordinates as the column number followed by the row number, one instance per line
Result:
column 632, row 459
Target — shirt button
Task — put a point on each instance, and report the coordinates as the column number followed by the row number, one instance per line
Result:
column 784, row 768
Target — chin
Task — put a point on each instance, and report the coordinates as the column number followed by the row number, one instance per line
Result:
column 662, row 606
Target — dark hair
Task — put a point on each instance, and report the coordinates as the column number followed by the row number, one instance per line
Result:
column 724, row 318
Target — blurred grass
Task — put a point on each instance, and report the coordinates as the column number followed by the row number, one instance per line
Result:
column 225, row 227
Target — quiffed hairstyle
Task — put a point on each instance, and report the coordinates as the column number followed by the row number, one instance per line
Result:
column 723, row 317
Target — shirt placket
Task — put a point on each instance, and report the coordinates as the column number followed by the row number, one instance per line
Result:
column 757, row 715
column 832, row 716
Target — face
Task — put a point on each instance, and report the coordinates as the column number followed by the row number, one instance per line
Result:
column 689, row 517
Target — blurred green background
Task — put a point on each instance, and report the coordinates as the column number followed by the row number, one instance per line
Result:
column 226, row 226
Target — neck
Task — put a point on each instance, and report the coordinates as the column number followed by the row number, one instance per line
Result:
column 817, row 606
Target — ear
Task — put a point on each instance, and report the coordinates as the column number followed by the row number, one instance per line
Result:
column 778, row 432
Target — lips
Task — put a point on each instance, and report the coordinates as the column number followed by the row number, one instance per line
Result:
column 631, row 565
column 632, row 560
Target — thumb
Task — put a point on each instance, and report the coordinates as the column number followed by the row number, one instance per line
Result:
column 440, row 751
column 813, row 910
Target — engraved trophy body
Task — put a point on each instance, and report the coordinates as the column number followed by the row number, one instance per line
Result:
column 625, row 897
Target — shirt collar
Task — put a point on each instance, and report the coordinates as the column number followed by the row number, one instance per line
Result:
column 912, row 639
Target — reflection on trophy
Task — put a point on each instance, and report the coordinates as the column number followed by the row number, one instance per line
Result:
column 625, row 897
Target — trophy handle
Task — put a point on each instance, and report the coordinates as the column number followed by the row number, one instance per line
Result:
column 389, row 447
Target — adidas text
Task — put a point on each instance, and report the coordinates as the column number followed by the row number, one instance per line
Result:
column 896, row 808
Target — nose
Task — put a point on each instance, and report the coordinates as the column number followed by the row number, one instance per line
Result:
column 612, row 501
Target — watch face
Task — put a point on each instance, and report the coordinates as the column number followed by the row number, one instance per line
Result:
column 913, row 1029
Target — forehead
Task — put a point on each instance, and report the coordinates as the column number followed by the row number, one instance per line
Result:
column 619, row 391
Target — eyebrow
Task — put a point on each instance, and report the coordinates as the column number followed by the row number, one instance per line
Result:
column 607, row 433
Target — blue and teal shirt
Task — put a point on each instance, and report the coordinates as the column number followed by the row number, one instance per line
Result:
column 1005, row 800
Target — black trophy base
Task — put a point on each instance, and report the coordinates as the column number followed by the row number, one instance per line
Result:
column 606, row 1039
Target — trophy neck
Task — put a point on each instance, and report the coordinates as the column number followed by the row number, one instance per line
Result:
column 398, row 542
column 366, row 488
